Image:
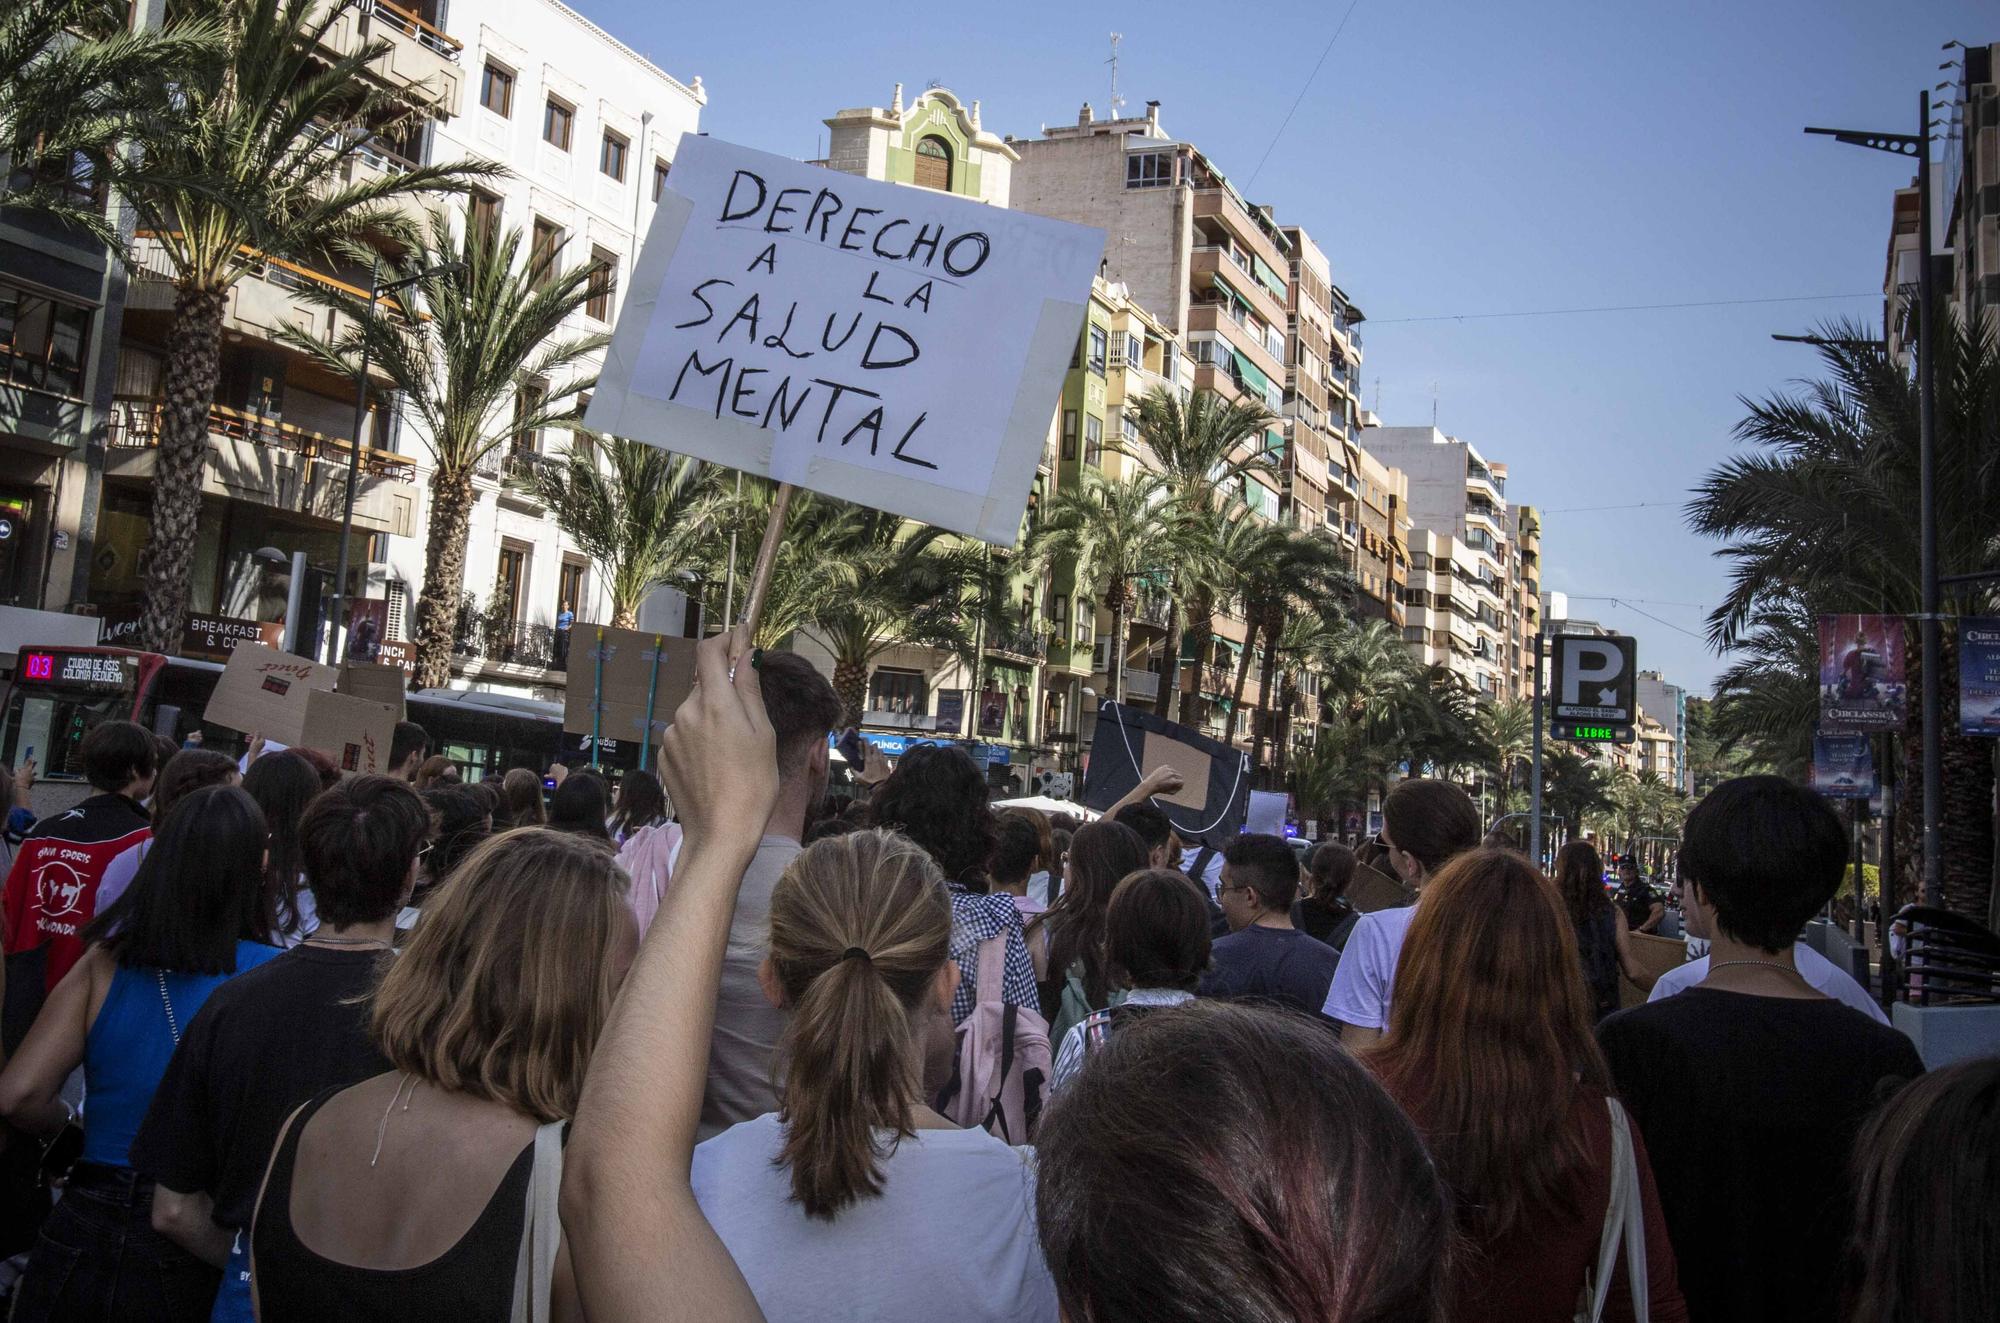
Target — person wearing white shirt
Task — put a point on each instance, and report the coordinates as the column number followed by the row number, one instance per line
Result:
column 1825, row 976
column 1156, row 941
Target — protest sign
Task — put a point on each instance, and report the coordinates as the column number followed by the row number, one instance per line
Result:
column 263, row 692
column 354, row 732
column 624, row 685
column 378, row 682
column 1979, row 675
column 1843, row 766
column 1267, row 812
column 1209, row 808
column 1862, row 685
column 898, row 347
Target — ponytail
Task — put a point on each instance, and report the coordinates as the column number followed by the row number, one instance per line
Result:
column 860, row 927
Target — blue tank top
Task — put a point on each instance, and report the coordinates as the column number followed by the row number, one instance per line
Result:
column 130, row 1043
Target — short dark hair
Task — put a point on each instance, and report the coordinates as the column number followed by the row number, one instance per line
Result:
column 1267, row 866
column 116, row 752
column 1151, row 824
column 1431, row 821
column 1767, row 854
column 1156, row 932
column 1217, row 1159
column 462, row 819
column 357, row 842
column 1332, row 869
column 188, row 771
column 1015, row 850
column 409, row 738
column 801, row 704
column 198, row 892
column 581, row 804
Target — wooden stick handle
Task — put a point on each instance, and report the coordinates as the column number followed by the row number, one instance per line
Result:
column 767, row 560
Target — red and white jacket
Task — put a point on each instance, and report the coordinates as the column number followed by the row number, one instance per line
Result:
column 51, row 892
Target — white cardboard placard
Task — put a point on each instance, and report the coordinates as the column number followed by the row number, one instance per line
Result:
column 890, row 345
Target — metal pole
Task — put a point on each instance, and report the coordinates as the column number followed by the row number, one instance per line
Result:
column 652, row 691
column 597, row 701
column 729, row 583
column 1535, row 776
column 353, row 468
column 1927, row 520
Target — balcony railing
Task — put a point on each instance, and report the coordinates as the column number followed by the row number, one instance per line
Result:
column 136, row 426
column 413, row 26
column 494, row 637
column 1020, row 643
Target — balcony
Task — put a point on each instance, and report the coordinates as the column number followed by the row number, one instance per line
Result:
column 37, row 410
column 1029, row 645
column 1213, row 262
column 491, row 637
column 1151, row 609
column 1142, row 685
column 259, row 459
column 421, row 58
column 1219, row 204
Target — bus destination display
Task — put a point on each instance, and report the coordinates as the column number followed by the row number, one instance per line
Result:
column 84, row 668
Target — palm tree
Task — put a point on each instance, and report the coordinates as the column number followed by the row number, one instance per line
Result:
column 1305, row 647
column 1573, row 787
column 642, row 515
column 1114, row 533
column 1196, row 445
column 232, row 160
column 1507, row 726
column 1821, row 513
column 485, row 330
column 1767, row 702
column 1291, row 571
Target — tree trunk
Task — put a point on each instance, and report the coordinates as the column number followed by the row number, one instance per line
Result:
column 1116, row 662
column 1965, row 822
column 1242, row 674
column 850, row 682
column 1281, row 739
column 194, row 364
column 625, row 617
column 1199, row 632
column 1267, row 680
column 452, row 498
column 1171, row 705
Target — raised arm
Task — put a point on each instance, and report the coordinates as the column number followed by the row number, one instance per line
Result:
column 641, row 1248
column 1159, row 781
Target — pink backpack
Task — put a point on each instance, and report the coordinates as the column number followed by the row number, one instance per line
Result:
column 646, row 855
column 1003, row 1065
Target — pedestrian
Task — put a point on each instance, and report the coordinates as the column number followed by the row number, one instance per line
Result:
column 1221, row 1161
column 582, row 805
column 1926, row 1247
column 193, row 916
column 409, row 746
column 1643, row 910
column 51, row 891
column 1045, row 863
column 853, row 1168
column 522, row 798
column 187, row 771
column 937, row 798
column 1750, row 1087
column 1322, row 910
column 1424, row 824
column 428, row 1185
column 1076, row 978
column 279, row 1035
column 1820, row 973
column 1016, row 849
column 460, row 824
column 641, row 803
column 1157, row 946
column 1265, row 958
column 1163, row 850
column 1489, row 1050
column 565, row 621
column 284, row 785
column 436, row 770
column 1603, row 941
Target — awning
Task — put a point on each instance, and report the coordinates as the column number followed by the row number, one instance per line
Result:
column 1230, row 293
column 1270, row 279
column 1251, row 375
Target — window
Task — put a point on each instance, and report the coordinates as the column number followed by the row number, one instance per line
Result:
column 1128, row 427
column 509, row 582
column 1093, row 440
column 529, row 401
column 483, row 213
column 611, row 155
column 42, row 342
column 496, row 90
column 558, row 122
column 543, row 252
column 569, row 585
column 603, row 280
column 661, row 168
column 1097, row 350
column 1135, row 350
column 1149, row 169
column 901, row 692
column 933, row 168
column 1069, row 434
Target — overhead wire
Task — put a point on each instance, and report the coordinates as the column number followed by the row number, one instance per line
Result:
column 1286, row 122
column 1618, row 307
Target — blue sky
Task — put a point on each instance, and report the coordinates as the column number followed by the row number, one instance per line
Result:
column 1464, row 158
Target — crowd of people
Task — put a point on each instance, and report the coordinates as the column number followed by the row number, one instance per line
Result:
column 287, row 1045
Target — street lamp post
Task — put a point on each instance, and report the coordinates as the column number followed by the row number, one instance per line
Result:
column 1930, row 643
column 375, row 292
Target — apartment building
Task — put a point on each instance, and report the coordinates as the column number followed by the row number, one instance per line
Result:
column 1524, row 599
column 1382, row 545
column 1965, row 205
column 1667, row 704
column 1461, row 542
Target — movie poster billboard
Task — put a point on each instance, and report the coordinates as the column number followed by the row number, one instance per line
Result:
column 1843, row 766
column 1979, row 675
column 1862, row 681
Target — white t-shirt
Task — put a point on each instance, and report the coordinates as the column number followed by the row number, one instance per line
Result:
column 1814, row 968
column 1366, row 974
column 952, row 1235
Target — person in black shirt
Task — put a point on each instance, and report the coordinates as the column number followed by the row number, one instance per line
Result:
column 1264, row 957
column 1323, row 912
column 1750, row 1086
column 282, row 1033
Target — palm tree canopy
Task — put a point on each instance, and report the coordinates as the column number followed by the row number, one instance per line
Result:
column 1115, row 533
column 1196, row 441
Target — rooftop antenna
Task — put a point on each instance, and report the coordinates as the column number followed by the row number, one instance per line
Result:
column 1116, row 100
column 1434, row 404
column 1378, row 395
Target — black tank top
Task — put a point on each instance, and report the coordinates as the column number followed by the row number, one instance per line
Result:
column 472, row 1282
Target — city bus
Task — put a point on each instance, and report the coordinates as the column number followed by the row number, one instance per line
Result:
column 60, row 693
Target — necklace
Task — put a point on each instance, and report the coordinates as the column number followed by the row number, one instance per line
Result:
column 382, row 1130
column 376, row 942
column 1764, row 964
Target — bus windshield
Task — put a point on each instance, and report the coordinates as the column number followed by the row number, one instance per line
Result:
column 59, row 697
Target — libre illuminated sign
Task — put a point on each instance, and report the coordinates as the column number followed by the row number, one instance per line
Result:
column 1579, row 730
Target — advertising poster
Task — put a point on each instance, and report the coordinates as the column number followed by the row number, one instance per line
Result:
column 367, row 627
column 1862, row 681
column 950, row 718
column 1979, row 675
column 1843, row 766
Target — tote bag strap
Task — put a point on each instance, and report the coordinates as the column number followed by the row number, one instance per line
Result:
column 541, row 1232
column 1624, row 1220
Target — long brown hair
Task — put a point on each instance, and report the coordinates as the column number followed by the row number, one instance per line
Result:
column 1100, row 855
column 506, row 983
column 860, row 927
column 1580, row 881
column 1489, row 1045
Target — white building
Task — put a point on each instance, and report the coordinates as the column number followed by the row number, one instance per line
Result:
column 588, row 128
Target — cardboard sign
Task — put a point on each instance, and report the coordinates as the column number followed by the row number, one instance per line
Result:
column 263, row 692
column 894, row 346
column 1373, row 889
column 378, row 682
column 1267, row 812
column 354, row 732
column 1208, row 809
column 611, row 704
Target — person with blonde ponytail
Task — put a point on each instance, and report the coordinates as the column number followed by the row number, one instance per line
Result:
column 854, row 1199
